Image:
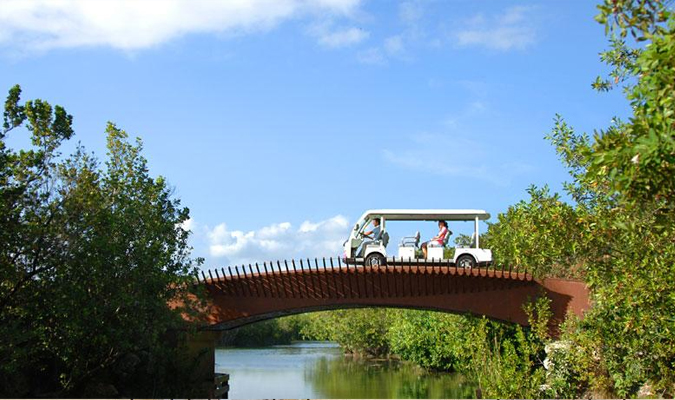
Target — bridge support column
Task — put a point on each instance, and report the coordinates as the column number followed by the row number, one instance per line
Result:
column 201, row 346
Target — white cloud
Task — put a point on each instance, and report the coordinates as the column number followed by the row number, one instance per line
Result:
column 512, row 30
column 138, row 24
column 455, row 156
column 279, row 241
column 328, row 36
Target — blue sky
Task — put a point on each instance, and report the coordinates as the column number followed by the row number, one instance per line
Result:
column 280, row 122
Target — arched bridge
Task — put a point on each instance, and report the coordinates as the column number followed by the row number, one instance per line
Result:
column 241, row 295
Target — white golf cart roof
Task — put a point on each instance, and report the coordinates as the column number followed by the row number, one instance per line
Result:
column 427, row 215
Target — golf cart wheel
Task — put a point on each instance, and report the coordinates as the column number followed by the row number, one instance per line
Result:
column 466, row 261
column 374, row 260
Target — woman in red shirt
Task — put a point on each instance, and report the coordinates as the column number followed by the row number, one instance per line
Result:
column 438, row 240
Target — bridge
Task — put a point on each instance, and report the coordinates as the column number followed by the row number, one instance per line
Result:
column 247, row 294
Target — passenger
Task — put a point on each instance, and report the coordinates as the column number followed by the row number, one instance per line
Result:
column 374, row 235
column 438, row 240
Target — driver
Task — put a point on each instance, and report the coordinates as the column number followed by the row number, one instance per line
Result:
column 373, row 234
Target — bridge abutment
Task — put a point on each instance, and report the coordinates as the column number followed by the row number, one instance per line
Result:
column 201, row 347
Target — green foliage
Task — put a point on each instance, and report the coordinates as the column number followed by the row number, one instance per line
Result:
column 644, row 20
column 432, row 340
column 266, row 333
column 631, row 326
column 90, row 259
column 639, row 157
column 628, row 338
column 507, row 360
column 501, row 362
column 362, row 331
column 541, row 236
column 462, row 240
column 449, row 253
column 641, row 18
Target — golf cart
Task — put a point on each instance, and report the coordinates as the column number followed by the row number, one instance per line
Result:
column 375, row 251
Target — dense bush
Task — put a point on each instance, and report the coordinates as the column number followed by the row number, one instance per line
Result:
column 430, row 339
column 362, row 331
column 540, row 236
column 507, row 360
column 266, row 333
column 90, row 257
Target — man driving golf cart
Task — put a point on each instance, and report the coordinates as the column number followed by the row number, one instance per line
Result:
column 375, row 235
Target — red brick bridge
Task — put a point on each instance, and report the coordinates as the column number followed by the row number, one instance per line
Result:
column 242, row 295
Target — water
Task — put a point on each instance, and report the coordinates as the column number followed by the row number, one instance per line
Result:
column 320, row 370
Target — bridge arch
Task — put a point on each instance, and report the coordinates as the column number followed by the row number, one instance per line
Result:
column 241, row 296
column 240, row 322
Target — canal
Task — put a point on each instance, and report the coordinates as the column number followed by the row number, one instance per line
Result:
column 321, row 370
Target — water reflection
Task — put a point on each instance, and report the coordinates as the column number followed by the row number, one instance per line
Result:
column 349, row 378
column 319, row 370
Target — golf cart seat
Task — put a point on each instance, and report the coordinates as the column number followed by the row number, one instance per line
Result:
column 409, row 246
column 384, row 238
column 472, row 242
column 411, row 241
column 434, row 251
column 446, row 239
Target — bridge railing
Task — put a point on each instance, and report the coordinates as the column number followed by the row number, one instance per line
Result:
column 335, row 263
column 332, row 277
